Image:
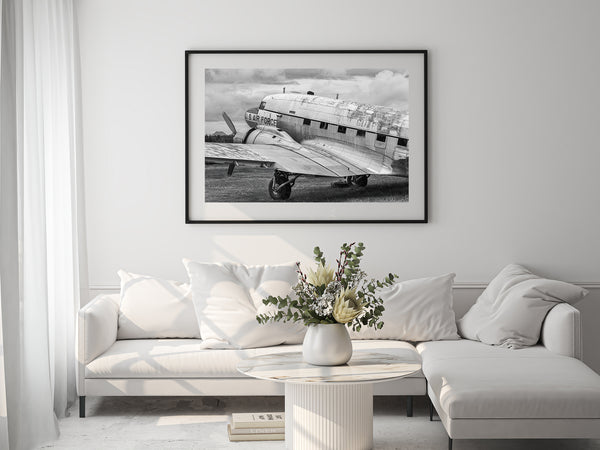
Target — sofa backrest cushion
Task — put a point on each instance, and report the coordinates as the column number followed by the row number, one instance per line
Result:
column 510, row 311
column 155, row 308
column 228, row 296
column 416, row 310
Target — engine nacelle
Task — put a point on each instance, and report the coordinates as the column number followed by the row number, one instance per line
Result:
column 264, row 134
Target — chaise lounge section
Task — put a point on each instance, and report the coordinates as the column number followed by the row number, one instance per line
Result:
column 488, row 392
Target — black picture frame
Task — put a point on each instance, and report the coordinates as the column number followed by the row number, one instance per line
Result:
column 421, row 217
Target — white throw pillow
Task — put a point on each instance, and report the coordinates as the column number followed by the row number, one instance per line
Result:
column 228, row 296
column 155, row 308
column 416, row 310
column 510, row 312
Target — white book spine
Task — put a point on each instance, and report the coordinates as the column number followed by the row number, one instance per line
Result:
column 257, row 430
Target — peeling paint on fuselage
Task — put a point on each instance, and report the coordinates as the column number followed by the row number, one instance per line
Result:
column 375, row 137
column 370, row 118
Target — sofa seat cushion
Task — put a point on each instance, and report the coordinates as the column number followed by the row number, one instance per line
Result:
column 472, row 380
column 187, row 358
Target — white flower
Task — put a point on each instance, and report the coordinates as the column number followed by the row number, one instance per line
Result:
column 346, row 306
column 322, row 276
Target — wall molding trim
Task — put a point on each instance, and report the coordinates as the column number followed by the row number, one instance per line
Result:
column 482, row 285
column 104, row 287
column 457, row 285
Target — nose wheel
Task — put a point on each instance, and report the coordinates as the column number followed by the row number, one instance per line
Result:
column 280, row 186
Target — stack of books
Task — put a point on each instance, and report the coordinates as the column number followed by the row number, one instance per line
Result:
column 264, row 426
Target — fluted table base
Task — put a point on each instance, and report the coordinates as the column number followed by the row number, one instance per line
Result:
column 329, row 416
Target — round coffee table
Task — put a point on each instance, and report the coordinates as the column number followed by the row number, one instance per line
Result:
column 328, row 406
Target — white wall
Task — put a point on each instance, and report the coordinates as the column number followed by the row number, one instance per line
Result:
column 514, row 118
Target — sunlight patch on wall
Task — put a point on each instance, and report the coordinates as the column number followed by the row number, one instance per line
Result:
column 252, row 249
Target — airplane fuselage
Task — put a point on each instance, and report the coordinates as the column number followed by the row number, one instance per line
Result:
column 369, row 136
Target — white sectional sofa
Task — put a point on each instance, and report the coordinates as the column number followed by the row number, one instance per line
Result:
column 479, row 391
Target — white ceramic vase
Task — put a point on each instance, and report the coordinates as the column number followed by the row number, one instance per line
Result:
column 327, row 344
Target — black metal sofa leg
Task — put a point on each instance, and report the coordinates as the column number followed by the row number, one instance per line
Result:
column 430, row 409
column 82, row 406
column 409, row 406
column 449, row 443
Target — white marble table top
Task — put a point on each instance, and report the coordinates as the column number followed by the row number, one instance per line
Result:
column 362, row 367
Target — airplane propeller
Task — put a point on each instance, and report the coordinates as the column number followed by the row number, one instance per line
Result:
column 238, row 136
column 229, row 123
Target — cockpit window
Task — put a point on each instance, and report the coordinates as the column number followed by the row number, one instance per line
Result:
column 262, row 105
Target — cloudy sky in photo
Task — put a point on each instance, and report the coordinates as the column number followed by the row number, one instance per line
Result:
column 237, row 90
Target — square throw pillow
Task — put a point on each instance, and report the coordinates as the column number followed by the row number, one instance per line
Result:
column 510, row 312
column 416, row 310
column 155, row 308
column 228, row 296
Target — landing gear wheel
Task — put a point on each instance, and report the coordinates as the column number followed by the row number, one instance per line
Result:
column 278, row 192
column 360, row 180
column 344, row 183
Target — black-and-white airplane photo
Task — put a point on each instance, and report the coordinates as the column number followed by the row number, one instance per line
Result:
column 301, row 146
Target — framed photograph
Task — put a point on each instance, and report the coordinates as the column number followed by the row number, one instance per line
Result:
column 306, row 136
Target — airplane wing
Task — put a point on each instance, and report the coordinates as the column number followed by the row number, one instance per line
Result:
column 288, row 157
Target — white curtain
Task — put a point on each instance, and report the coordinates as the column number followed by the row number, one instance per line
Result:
column 9, row 275
column 43, row 252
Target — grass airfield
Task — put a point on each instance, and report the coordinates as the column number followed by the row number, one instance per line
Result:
column 250, row 184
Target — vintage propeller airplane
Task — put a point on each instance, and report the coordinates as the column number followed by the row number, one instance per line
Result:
column 307, row 135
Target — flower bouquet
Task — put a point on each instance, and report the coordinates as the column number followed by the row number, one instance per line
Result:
column 341, row 295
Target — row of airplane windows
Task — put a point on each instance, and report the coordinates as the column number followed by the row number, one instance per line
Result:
column 360, row 133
